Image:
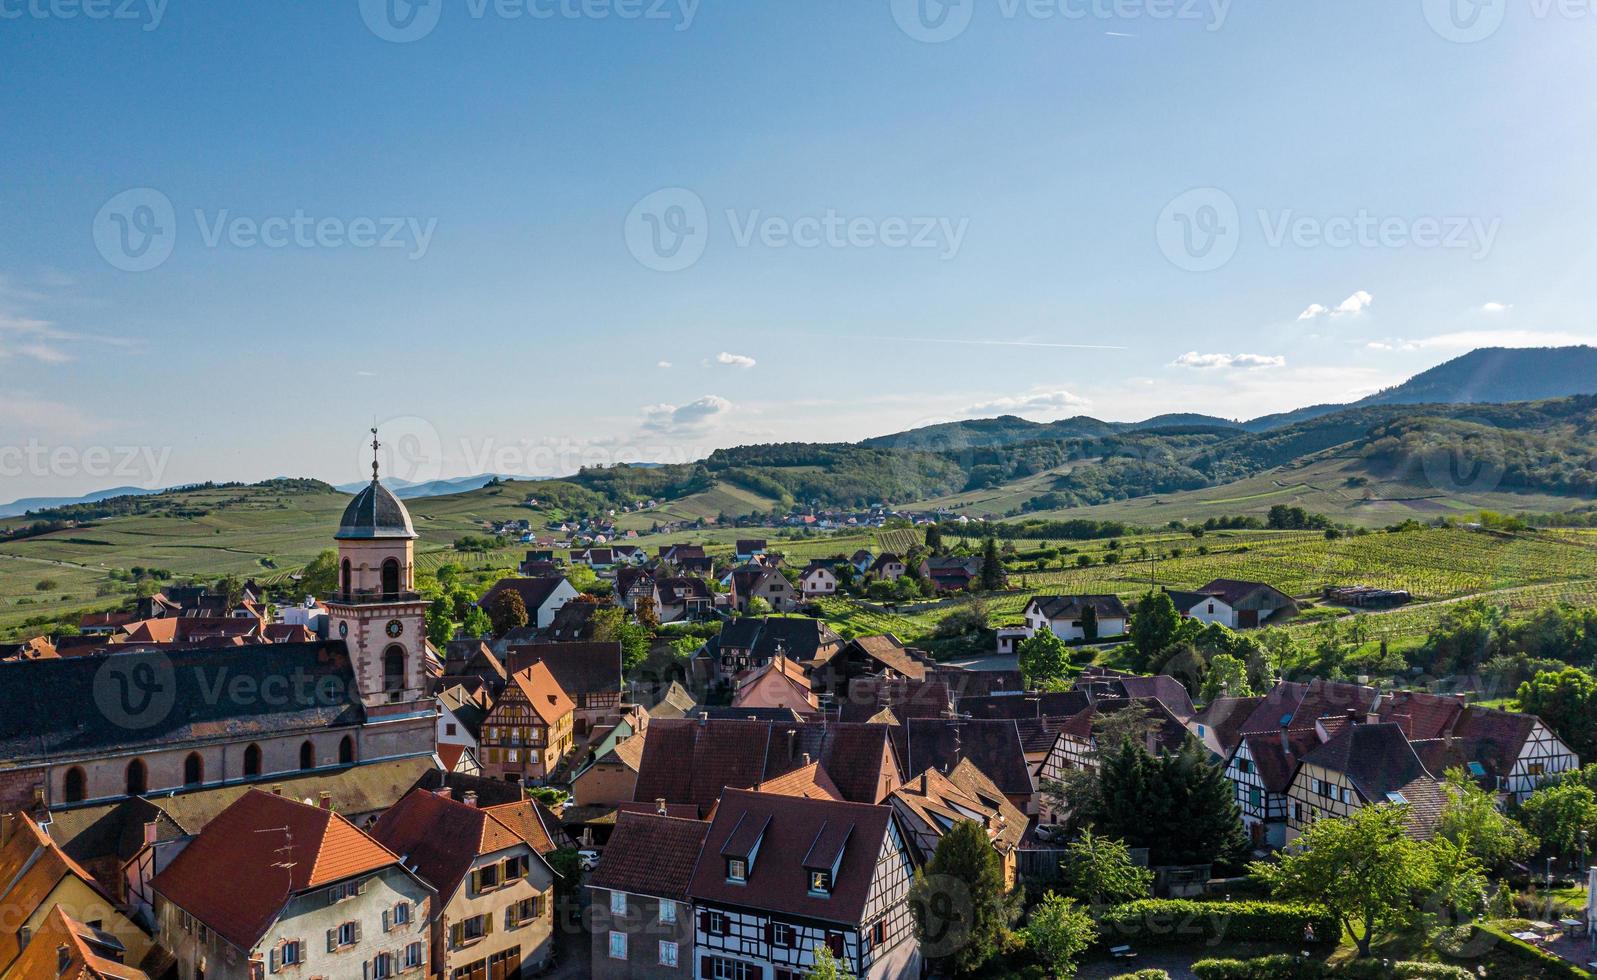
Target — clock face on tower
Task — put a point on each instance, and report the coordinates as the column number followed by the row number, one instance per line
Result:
column 343, row 629
column 395, row 627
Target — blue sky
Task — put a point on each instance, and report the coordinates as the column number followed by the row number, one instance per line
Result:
column 534, row 235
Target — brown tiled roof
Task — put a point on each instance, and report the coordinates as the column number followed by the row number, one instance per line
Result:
column 889, row 651
column 1013, row 707
column 67, row 949
column 534, row 823
column 1224, row 719
column 1419, row 714
column 1277, row 764
column 792, row 829
column 439, row 838
column 993, row 746
column 1075, row 606
column 534, row 592
column 808, row 781
column 257, row 854
column 579, row 668
column 1377, row 759
column 650, row 854
column 31, row 866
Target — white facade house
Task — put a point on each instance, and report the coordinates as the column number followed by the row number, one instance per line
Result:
column 818, row 580
column 1067, row 617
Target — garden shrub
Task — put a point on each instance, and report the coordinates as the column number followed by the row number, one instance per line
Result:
column 1157, row 921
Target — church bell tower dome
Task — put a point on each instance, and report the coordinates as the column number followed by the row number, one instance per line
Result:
column 375, row 513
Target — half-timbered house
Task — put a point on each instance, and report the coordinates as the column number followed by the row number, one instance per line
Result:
column 780, row 877
column 1359, row 766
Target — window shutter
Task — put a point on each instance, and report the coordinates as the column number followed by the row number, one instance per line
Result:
column 476, row 882
column 366, row 970
column 706, row 967
column 770, row 933
column 386, row 920
column 487, row 925
column 271, row 959
column 357, row 930
column 704, row 921
column 457, row 935
column 834, row 941
column 332, row 940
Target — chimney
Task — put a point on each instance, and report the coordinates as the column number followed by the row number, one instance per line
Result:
column 150, row 827
column 925, row 782
column 277, row 789
column 659, row 805
column 704, row 717
column 469, row 797
column 806, row 758
column 443, row 793
column 327, row 800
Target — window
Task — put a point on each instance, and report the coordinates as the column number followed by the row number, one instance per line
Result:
column 618, row 903
column 390, row 577
column 346, row 751
column 721, row 968
column 737, row 869
column 834, row 942
column 76, row 785
column 668, row 953
column 346, row 577
column 618, row 945
column 488, row 877
column 349, row 934
column 413, row 955
column 449, row 728
column 1254, row 797
column 339, row 892
column 138, row 778
column 383, row 966
column 668, row 911
column 525, row 911
column 717, row 923
column 820, row 882
column 402, row 914
column 193, row 770
column 783, row 935
column 1535, row 768
column 878, row 933
column 394, row 669
column 307, row 755
column 293, row 953
column 252, row 760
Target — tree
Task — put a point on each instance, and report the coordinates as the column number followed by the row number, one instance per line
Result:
column 1154, row 626
column 934, row 539
column 828, row 966
column 991, row 577
column 1089, row 623
column 1364, row 869
column 1098, row 872
column 1560, row 814
column 440, row 627
column 1227, row 676
column 1058, row 932
column 463, row 600
column 759, row 607
column 507, row 612
column 231, row 588
column 1043, row 657
column 1471, row 819
column 320, row 577
column 1566, row 701
column 958, row 902
column 645, row 613
column 477, row 623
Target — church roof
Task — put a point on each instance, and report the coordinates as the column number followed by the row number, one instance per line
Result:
column 374, row 513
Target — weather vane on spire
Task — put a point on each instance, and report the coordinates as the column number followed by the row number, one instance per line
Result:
column 375, row 445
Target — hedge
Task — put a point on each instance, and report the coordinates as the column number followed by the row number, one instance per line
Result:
column 1143, row 975
column 1157, row 921
column 1551, row 965
column 1287, row 967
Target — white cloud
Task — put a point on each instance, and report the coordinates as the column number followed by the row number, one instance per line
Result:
column 1050, row 402
column 1497, row 307
column 734, row 360
column 1352, row 306
column 692, row 417
column 663, row 365
column 1193, row 359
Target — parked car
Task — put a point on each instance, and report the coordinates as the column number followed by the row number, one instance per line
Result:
column 587, row 860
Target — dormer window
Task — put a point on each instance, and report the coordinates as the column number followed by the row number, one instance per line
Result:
column 737, row 870
column 820, row 883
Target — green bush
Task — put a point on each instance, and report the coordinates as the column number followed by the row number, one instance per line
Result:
column 1157, row 921
column 1287, row 967
column 1143, row 975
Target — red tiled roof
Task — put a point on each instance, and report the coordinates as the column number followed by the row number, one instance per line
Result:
column 544, row 695
column 439, row 838
column 259, row 852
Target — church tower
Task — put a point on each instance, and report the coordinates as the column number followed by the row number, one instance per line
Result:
column 376, row 610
